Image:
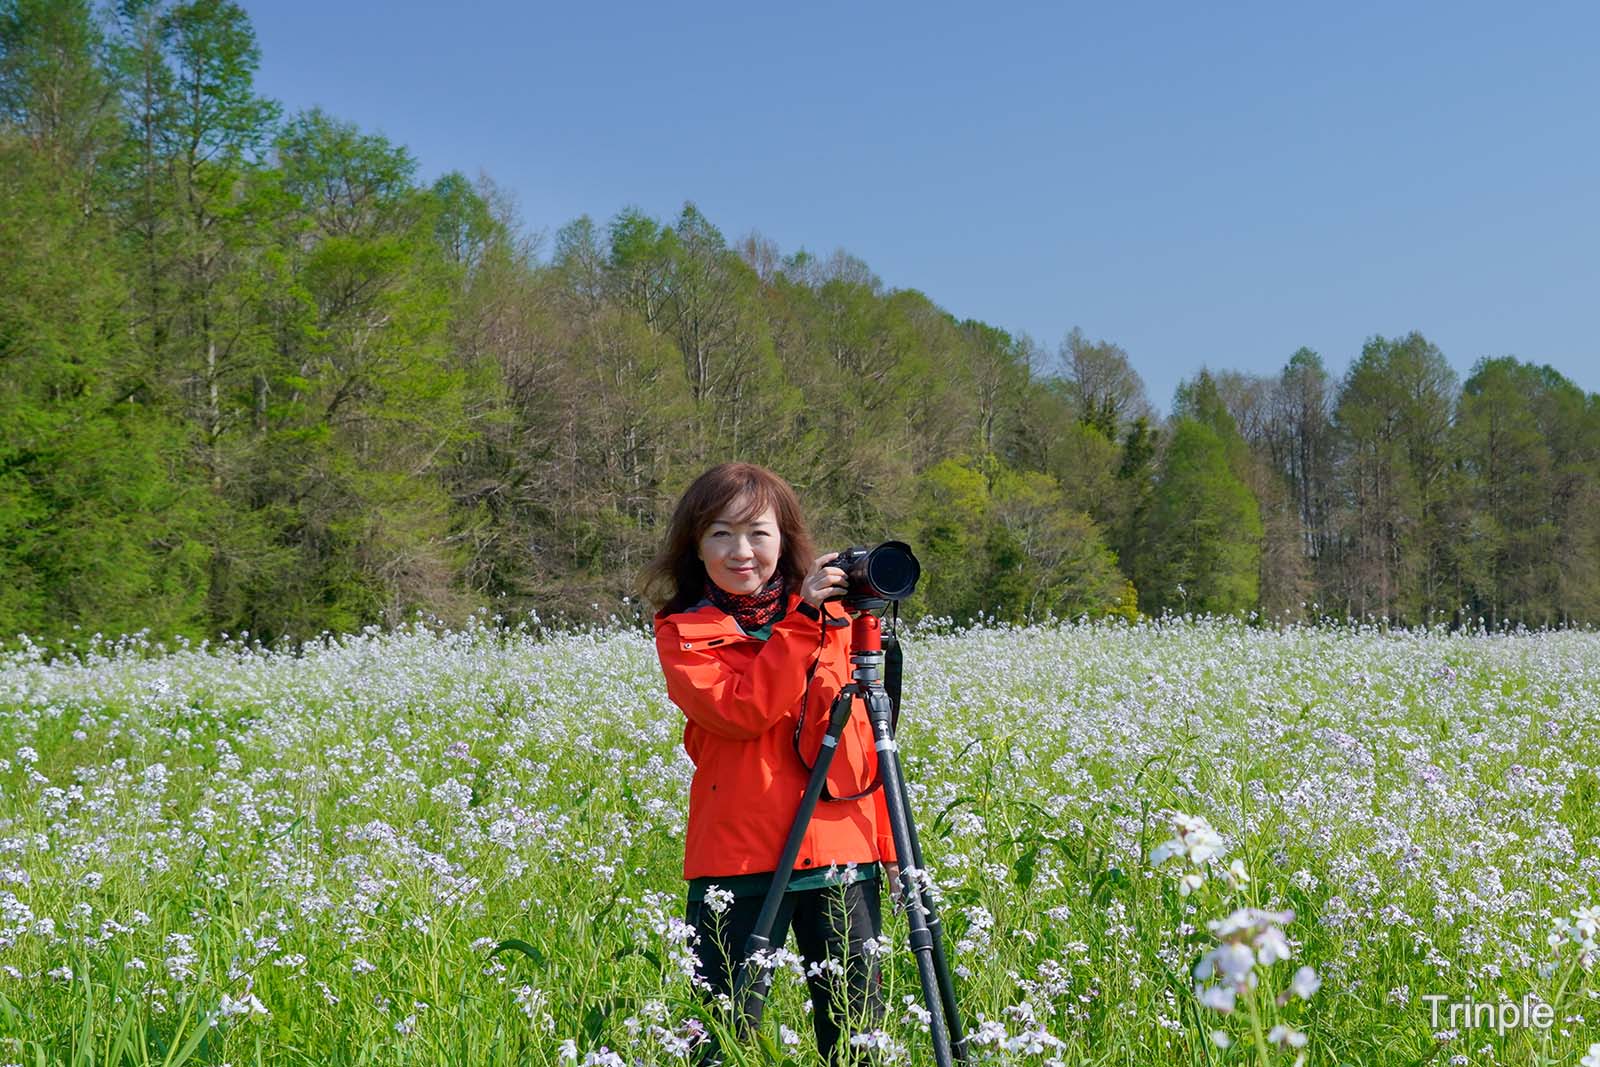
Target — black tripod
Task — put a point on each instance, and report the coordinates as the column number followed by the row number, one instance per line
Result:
column 752, row 981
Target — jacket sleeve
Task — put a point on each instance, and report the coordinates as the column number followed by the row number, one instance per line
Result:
column 740, row 706
column 885, row 835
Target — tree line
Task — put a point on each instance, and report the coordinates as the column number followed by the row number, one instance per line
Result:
column 257, row 377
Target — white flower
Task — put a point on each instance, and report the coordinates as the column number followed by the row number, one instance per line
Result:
column 246, row 1005
column 990, row 1032
column 1286, row 1036
column 1306, row 982
column 1192, row 837
column 1272, row 946
column 718, row 899
column 1246, row 921
column 1593, row 1058
column 1165, row 851
column 1586, row 922
column 835, row 873
column 1218, row 997
column 1237, row 875
column 822, row 967
column 876, row 1040
column 1233, row 962
column 1221, row 1039
column 1189, row 883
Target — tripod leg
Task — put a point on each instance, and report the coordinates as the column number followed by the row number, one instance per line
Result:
column 941, row 966
column 751, row 981
column 879, row 711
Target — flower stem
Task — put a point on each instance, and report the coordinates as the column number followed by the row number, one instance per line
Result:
column 1255, row 1028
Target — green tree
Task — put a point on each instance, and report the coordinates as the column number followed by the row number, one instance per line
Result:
column 367, row 402
column 94, row 531
column 54, row 91
column 1046, row 558
column 1204, row 542
column 948, row 527
column 1527, row 463
column 1393, row 418
column 1007, row 544
column 1299, row 442
column 1107, row 392
column 1236, row 407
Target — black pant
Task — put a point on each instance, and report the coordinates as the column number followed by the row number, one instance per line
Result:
column 826, row 927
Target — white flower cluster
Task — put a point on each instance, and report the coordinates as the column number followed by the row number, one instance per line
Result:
column 1193, row 837
column 1250, row 939
column 719, row 900
column 247, row 1005
column 372, row 777
column 535, row 1004
column 886, row 1049
column 1032, row 1040
column 1195, row 840
column 1582, row 932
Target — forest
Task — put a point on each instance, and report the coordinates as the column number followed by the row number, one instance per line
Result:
column 257, row 377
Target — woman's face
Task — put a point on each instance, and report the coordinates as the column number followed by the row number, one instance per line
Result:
column 741, row 554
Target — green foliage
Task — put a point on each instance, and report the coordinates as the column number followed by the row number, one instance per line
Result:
column 1013, row 550
column 95, row 529
column 952, row 500
column 1393, row 419
column 257, row 377
column 53, row 89
column 1205, row 529
column 1520, row 434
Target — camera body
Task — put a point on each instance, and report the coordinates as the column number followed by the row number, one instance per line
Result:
column 883, row 574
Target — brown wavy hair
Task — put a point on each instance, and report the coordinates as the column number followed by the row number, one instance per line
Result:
column 676, row 578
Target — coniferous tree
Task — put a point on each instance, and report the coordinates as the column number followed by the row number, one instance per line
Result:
column 1393, row 417
column 1204, row 539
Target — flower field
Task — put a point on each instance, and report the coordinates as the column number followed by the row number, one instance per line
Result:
column 1169, row 843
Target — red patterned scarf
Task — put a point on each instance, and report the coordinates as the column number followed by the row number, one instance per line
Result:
column 751, row 610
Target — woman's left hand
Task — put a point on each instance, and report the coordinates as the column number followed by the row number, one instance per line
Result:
column 823, row 583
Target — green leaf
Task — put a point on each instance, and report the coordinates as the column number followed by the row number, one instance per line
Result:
column 594, row 1020
column 635, row 950
column 1105, row 882
column 513, row 944
column 1023, row 870
column 942, row 820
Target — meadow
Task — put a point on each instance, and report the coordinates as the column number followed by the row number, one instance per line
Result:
column 1175, row 842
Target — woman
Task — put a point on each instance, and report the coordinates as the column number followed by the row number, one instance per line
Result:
column 754, row 650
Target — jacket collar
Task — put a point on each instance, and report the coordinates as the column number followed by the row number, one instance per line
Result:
column 705, row 619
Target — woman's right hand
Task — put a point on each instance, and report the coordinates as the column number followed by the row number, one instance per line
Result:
column 823, row 583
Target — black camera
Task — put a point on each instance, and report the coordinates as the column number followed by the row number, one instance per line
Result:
column 888, row 572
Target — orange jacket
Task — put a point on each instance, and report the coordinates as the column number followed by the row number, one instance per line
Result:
column 742, row 698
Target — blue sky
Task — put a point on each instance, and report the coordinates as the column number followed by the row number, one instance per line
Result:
column 1202, row 184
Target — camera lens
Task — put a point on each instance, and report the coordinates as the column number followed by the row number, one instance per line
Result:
column 892, row 571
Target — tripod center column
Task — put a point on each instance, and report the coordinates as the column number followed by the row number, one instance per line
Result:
column 866, row 648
